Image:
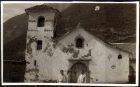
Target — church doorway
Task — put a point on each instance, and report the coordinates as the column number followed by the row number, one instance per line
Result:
column 75, row 71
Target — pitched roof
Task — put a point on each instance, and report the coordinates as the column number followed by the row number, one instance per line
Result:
column 39, row 8
column 70, row 29
column 125, row 47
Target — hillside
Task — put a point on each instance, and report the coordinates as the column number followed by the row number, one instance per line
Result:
column 112, row 23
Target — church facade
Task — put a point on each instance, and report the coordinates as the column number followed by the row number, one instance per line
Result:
column 76, row 51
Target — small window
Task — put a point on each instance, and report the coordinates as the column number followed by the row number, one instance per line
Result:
column 39, row 44
column 119, row 56
column 41, row 21
column 34, row 62
column 79, row 42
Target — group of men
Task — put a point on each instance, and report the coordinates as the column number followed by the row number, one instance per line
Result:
column 62, row 78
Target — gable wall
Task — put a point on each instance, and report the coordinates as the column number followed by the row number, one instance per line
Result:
column 103, row 58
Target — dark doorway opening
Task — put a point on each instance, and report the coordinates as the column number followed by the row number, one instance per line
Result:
column 75, row 71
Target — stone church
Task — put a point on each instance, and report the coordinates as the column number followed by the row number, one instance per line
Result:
column 76, row 51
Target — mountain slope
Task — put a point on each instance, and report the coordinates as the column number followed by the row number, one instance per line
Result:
column 115, row 21
column 112, row 23
column 15, row 27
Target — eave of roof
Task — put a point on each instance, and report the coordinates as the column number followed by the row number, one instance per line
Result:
column 39, row 8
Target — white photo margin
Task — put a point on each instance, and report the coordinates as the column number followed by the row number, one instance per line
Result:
column 73, row 84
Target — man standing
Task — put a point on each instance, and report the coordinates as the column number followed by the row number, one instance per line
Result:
column 68, row 76
column 82, row 78
column 62, row 78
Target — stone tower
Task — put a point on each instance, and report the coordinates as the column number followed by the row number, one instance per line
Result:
column 41, row 26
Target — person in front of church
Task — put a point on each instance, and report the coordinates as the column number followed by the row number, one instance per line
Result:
column 62, row 78
column 81, row 78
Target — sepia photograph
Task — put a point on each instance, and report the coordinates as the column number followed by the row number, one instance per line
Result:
column 69, row 43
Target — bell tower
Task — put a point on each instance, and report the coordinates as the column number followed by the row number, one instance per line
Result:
column 41, row 27
column 42, row 19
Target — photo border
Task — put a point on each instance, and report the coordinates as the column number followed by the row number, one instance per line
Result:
column 74, row 84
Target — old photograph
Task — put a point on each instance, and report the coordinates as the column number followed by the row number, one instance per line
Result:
column 80, row 43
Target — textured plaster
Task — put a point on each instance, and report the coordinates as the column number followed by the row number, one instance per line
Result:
column 102, row 60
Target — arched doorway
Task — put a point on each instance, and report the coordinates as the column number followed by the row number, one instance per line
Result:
column 75, row 71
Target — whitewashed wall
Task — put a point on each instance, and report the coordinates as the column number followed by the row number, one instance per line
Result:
column 103, row 57
column 52, row 57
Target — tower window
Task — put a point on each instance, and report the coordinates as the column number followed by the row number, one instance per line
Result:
column 39, row 44
column 41, row 21
column 79, row 42
column 34, row 62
